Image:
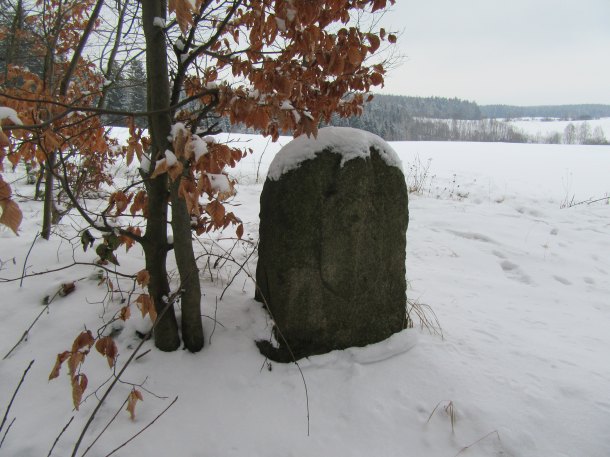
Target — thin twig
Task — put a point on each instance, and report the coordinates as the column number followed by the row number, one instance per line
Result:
column 26, row 333
column 142, row 355
column 105, row 427
column 25, row 262
column 143, row 429
column 59, row 436
column 13, row 397
column 241, row 267
column 7, row 430
column 215, row 321
column 65, row 267
column 584, row 202
column 465, row 448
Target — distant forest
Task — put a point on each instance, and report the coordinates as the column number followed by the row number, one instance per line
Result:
column 397, row 118
column 565, row 112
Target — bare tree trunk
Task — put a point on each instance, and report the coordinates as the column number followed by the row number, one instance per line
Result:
column 192, row 329
column 47, row 211
column 155, row 251
column 155, row 239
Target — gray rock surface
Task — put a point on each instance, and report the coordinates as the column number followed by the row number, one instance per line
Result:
column 331, row 266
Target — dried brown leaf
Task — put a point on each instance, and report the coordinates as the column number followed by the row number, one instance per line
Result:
column 84, row 340
column 11, row 215
column 107, row 347
column 61, row 358
column 125, row 313
column 134, row 396
column 143, row 277
column 217, row 211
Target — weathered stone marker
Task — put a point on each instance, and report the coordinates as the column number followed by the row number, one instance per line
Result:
column 331, row 265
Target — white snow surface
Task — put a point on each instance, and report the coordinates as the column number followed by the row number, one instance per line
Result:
column 200, row 147
column 519, row 285
column 159, row 22
column 350, row 143
column 170, row 158
column 10, row 114
column 219, row 182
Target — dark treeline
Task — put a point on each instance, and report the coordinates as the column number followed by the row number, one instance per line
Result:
column 397, row 118
column 566, row 112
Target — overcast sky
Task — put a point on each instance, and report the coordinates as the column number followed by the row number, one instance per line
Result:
column 519, row 52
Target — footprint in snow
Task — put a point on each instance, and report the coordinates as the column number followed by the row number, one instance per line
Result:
column 513, row 271
column 473, row 236
column 563, row 281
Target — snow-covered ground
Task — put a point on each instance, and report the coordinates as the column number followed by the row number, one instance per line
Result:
column 520, row 286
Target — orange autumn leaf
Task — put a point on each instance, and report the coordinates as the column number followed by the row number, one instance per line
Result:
column 125, row 313
column 146, row 306
column 354, row 56
column 217, row 212
column 75, row 359
column 160, row 168
column 79, row 384
column 143, row 277
column 4, row 141
column 61, row 358
column 84, row 340
column 107, row 347
column 11, row 215
column 175, row 170
column 134, row 396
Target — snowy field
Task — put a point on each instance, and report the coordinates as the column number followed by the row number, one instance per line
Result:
column 520, row 286
column 537, row 127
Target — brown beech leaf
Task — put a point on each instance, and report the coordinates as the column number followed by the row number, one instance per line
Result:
column 66, row 289
column 240, row 231
column 5, row 191
column 107, row 347
column 143, row 277
column 84, row 340
column 378, row 5
column 134, row 396
column 4, row 141
column 140, row 202
column 147, row 306
column 354, row 56
column 374, row 41
column 160, row 168
column 11, row 215
column 392, row 38
column 61, row 358
column 125, row 313
column 175, row 170
column 79, row 384
column 376, row 79
column 129, row 155
column 75, row 359
column 217, row 211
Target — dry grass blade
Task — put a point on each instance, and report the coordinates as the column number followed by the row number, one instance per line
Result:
column 465, row 448
column 418, row 176
column 425, row 315
column 449, row 410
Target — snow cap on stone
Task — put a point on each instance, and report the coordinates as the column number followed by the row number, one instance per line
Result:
column 350, row 143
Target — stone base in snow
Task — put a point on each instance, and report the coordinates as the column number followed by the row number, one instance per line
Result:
column 331, row 268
